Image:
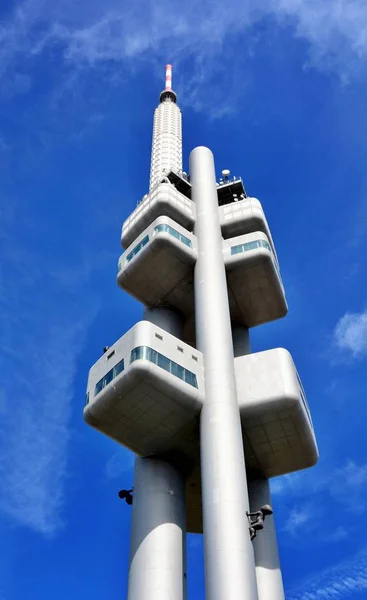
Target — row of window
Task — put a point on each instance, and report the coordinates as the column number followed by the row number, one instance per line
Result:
column 165, row 363
column 146, row 353
column 145, row 240
column 117, row 369
column 137, row 248
column 174, row 233
column 250, row 246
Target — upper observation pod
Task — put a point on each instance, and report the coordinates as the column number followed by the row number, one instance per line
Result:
column 163, row 200
column 168, row 91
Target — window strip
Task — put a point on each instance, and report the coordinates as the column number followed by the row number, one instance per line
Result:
column 174, row 233
column 147, row 353
column 117, row 369
column 137, row 248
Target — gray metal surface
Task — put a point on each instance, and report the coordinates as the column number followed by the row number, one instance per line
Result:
column 268, row 573
column 157, row 568
column 229, row 559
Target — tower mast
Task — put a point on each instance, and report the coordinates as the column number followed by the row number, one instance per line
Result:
column 167, row 134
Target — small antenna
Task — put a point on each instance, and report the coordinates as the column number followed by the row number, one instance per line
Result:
column 168, row 78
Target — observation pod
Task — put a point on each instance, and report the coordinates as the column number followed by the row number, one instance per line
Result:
column 255, row 288
column 244, row 216
column 163, row 200
column 146, row 391
column 278, row 432
column 158, row 267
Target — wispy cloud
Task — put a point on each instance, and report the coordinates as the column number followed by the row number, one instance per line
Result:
column 42, row 331
column 350, row 333
column 34, row 444
column 343, row 483
column 346, row 580
column 121, row 462
column 310, row 495
column 90, row 34
column 298, row 517
column 339, row 533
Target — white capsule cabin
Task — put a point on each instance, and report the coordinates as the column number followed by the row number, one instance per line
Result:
column 163, row 200
column 276, row 421
column 278, row 433
column 157, row 268
column 255, row 288
column 147, row 390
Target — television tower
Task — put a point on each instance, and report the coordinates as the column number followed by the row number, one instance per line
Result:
column 209, row 421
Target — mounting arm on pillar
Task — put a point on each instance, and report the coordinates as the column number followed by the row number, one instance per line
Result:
column 127, row 496
column 256, row 519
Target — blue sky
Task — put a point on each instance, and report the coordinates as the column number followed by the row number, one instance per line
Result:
column 278, row 91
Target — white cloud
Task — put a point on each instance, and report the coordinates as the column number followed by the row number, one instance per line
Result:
column 346, row 486
column 350, row 333
column 42, row 330
column 298, row 517
column 338, row 534
column 351, row 476
column 119, row 463
column 345, row 580
column 312, row 492
column 287, row 483
column 93, row 33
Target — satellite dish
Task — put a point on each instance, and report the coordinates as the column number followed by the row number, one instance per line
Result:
column 226, row 172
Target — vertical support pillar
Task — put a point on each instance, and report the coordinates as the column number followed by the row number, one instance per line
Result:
column 157, row 568
column 165, row 318
column 229, row 558
column 268, row 573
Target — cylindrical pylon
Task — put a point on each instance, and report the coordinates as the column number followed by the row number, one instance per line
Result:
column 165, row 318
column 268, row 573
column 229, row 558
column 241, row 340
column 158, row 533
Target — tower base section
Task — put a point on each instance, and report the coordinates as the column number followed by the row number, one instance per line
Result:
column 158, row 536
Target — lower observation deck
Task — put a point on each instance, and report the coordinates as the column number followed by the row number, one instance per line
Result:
column 255, row 289
column 146, row 392
column 158, row 267
column 163, row 199
column 276, row 421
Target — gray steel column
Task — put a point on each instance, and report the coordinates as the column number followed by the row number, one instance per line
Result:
column 229, row 558
column 157, row 568
column 268, row 573
column 241, row 340
column 165, row 318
